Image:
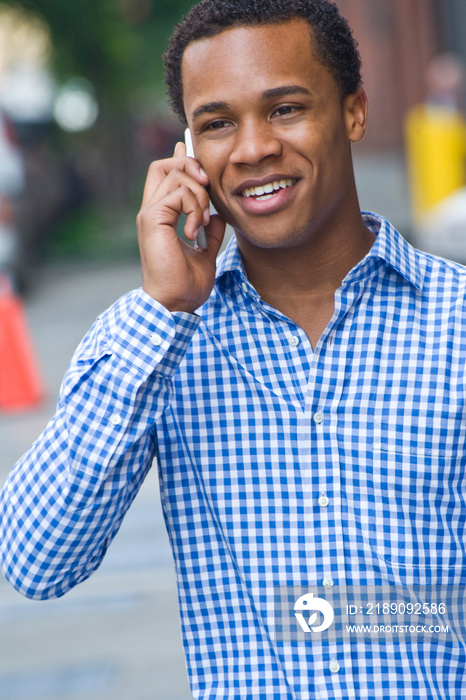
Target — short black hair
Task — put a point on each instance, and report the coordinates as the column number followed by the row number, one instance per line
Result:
column 333, row 41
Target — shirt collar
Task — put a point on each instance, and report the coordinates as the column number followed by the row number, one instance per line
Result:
column 231, row 274
column 392, row 248
column 230, row 260
column 389, row 246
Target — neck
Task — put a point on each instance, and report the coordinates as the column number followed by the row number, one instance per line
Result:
column 300, row 281
column 314, row 267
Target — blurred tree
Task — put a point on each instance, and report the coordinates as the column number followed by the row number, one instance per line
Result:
column 117, row 46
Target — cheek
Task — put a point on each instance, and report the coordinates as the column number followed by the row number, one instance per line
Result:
column 214, row 159
column 216, row 190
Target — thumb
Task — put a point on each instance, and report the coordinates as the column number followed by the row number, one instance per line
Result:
column 215, row 233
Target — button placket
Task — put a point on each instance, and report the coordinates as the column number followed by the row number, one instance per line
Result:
column 155, row 339
column 293, row 341
column 323, row 500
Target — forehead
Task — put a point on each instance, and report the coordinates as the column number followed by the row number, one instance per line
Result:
column 250, row 58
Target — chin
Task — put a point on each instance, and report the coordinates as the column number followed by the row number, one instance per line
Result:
column 270, row 240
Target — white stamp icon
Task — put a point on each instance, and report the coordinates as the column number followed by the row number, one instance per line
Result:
column 311, row 605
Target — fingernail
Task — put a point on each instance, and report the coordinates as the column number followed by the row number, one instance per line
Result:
column 203, row 172
column 206, row 217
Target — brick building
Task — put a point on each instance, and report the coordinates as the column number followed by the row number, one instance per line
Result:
column 397, row 38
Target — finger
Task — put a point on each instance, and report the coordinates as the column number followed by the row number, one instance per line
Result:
column 163, row 216
column 160, row 170
column 176, row 179
column 215, row 233
column 194, row 213
column 180, row 150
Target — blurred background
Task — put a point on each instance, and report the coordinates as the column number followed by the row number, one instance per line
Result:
column 82, row 114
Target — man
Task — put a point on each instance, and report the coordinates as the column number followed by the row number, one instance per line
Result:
column 304, row 401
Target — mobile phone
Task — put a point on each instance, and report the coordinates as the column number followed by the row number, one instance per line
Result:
column 190, row 152
column 188, row 141
column 201, row 240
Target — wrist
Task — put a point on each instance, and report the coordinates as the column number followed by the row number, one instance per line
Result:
column 173, row 305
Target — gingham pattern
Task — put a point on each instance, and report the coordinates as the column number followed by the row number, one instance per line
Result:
column 251, row 427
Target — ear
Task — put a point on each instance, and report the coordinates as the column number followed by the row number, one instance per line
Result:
column 355, row 113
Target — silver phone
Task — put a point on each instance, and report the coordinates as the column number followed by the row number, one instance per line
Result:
column 201, row 240
column 190, row 152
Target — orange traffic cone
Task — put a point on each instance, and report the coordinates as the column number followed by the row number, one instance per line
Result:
column 20, row 385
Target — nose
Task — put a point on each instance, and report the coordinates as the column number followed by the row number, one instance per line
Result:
column 255, row 141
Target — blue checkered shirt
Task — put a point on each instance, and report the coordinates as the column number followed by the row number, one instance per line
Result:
column 281, row 467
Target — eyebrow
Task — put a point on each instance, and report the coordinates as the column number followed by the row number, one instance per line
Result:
column 284, row 90
column 208, row 108
column 281, row 91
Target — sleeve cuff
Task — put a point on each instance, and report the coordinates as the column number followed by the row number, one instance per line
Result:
column 144, row 334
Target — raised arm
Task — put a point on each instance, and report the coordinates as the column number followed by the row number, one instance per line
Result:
column 64, row 501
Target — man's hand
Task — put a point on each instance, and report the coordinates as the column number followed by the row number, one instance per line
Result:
column 176, row 275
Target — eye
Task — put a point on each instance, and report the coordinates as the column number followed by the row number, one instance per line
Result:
column 217, row 125
column 286, row 110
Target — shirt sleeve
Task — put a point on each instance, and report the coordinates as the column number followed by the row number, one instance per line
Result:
column 64, row 501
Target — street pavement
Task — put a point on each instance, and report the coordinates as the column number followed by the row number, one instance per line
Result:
column 116, row 636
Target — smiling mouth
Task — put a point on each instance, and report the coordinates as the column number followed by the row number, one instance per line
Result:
column 267, row 191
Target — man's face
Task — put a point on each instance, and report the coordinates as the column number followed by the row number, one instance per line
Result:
column 271, row 131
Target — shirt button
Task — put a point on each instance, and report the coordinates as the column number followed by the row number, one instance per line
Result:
column 115, row 419
column 334, row 666
column 328, row 582
column 318, row 417
column 155, row 339
column 324, row 501
column 293, row 341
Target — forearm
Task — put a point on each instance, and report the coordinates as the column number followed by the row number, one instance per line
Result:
column 65, row 499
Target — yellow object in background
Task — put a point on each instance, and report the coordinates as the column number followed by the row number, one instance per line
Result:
column 436, row 153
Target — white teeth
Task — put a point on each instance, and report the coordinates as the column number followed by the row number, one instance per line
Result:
column 267, row 189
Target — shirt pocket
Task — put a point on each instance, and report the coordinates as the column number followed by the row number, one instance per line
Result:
column 418, row 482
